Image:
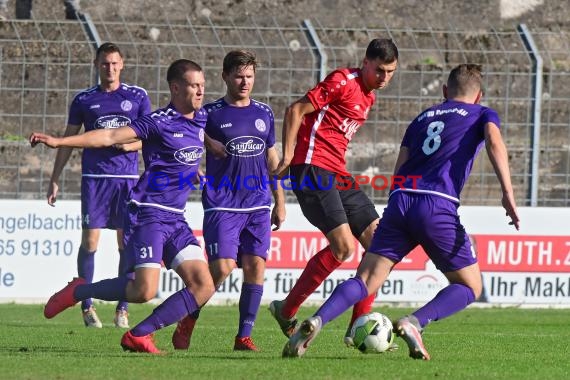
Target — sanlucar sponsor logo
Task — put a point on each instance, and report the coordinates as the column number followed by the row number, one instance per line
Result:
column 245, row 146
column 112, row 121
column 190, row 155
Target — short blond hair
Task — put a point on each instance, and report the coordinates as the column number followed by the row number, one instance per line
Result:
column 465, row 79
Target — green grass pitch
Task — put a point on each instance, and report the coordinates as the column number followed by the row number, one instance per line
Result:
column 478, row 343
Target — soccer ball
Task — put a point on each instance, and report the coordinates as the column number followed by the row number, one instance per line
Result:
column 372, row 333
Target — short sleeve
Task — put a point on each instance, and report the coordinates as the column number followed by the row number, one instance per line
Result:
column 329, row 90
column 491, row 116
column 145, row 107
column 271, row 135
column 75, row 116
column 144, row 127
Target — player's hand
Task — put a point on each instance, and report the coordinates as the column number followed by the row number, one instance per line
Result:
column 216, row 148
column 509, row 204
column 41, row 138
column 282, row 169
column 52, row 193
column 198, row 177
column 278, row 216
column 130, row 147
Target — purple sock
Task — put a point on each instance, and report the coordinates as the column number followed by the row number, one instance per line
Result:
column 249, row 301
column 343, row 297
column 173, row 309
column 449, row 300
column 85, row 270
column 123, row 271
column 113, row 289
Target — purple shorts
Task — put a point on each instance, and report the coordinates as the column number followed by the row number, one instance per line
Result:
column 229, row 234
column 431, row 221
column 153, row 236
column 104, row 201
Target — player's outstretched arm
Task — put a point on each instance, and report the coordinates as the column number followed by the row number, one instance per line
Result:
column 498, row 155
column 291, row 123
column 99, row 138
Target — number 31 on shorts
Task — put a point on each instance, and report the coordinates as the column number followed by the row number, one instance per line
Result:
column 145, row 252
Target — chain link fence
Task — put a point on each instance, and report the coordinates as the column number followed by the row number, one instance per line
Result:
column 43, row 64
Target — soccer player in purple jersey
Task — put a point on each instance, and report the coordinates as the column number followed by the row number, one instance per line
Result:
column 440, row 145
column 237, row 194
column 156, row 230
column 107, row 174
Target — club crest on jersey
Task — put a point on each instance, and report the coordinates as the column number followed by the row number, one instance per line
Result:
column 245, row 146
column 201, row 135
column 112, row 121
column 260, row 125
column 126, row 105
column 190, row 155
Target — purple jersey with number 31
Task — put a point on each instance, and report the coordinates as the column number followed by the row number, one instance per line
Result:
column 172, row 149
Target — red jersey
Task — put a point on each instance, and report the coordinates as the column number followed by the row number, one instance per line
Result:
column 341, row 104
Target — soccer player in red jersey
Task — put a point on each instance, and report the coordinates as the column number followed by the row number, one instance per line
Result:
column 440, row 146
column 316, row 131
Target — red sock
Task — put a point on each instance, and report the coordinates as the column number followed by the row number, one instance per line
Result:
column 362, row 307
column 317, row 270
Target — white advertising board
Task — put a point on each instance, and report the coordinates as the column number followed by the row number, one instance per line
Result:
column 39, row 243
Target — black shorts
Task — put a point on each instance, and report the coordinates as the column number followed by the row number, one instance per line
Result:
column 329, row 200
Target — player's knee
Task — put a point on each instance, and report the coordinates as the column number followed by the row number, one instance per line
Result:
column 143, row 294
column 220, row 271
column 343, row 251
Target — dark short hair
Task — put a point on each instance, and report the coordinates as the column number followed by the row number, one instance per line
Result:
column 382, row 48
column 239, row 58
column 108, row 48
column 464, row 79
column 177, row 69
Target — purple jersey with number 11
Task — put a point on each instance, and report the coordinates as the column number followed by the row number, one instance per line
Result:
column 240, row 182
column 443, row 141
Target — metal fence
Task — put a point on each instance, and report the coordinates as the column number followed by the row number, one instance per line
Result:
column 43, row 64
